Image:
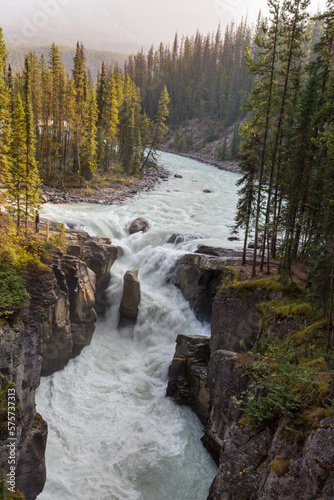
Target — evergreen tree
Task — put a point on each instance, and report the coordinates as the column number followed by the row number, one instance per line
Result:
column 32, row 180
column 79, row 84
column 89, row 144
column 5, row 125
column 159, row 128
column 112, row 121
column 16, row 178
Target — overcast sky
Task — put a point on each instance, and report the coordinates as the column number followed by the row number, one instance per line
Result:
column 106, row 23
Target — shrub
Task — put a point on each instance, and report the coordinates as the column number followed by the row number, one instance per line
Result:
column 13, row 292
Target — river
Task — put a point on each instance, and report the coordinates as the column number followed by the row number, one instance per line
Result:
column 112, row 433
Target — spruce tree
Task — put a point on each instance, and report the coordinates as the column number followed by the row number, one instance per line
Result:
column 16, row 179
column 32, row 180
column 160, row 128
column 5, row 125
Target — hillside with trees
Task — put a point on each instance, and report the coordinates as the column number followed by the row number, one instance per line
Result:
column 93, row 58
column 208, row 82
column 58, row 125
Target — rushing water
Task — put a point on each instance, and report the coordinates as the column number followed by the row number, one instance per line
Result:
column 112, row 433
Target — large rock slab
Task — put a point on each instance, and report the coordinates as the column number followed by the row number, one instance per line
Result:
column 21, row 345
column 96, row 252
column 267, row 464
column 198, row 277
column 131, row 296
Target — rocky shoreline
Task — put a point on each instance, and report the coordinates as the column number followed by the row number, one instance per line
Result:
column 229, row 166
column 115, row 195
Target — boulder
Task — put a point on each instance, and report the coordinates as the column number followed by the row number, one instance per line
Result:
column 138, row 225
column 131, row 296
column 96, row 252
column 207, row 191
column 44, row 197
column 234, row 255
column 178, row 176
column 180, row 238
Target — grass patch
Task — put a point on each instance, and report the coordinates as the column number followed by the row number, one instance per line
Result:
column 275, row 284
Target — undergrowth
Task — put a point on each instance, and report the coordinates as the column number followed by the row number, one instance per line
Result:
column 292, row 377
column 20, row 254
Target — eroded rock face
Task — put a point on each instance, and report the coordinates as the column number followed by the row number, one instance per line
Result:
column 82, row 287
column 264, row 464
column 58, row 322
column 138, row 225
column 96, row 252
column 188, row 374
column 77, row 289
column 236, row 322
column 131, row 297
column 198, row 276
column 21, row 347
column 254, row 464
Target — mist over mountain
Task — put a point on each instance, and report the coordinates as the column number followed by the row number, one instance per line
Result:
column 122, row 26
column 113, row 25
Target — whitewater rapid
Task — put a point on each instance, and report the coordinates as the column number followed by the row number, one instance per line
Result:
column 112, row 433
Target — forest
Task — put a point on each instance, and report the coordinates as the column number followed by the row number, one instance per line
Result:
column 286, row 193
column 56, row 126
column 272, row 82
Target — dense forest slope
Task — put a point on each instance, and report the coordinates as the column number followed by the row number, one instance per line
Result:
column 94, row 58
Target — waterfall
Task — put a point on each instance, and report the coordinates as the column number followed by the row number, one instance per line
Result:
column 112, row 433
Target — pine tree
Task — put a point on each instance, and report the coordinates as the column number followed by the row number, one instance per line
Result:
column 5, row 125
column 32, row 180
column 57, row 118
column 246, row 207
column 80, row 86
column 112, row 120
column 160, row 128
column 16, row 178
column 263, row 67
column 90, row 145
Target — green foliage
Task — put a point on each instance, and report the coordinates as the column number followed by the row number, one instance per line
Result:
column 283, row 384
column 271, row 284
column 59, row 241
column 13, row 292
column 5, row 494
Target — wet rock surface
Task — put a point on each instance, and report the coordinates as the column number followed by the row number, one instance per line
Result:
column 131, row 298
column 139, row 225
column 187, row 383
